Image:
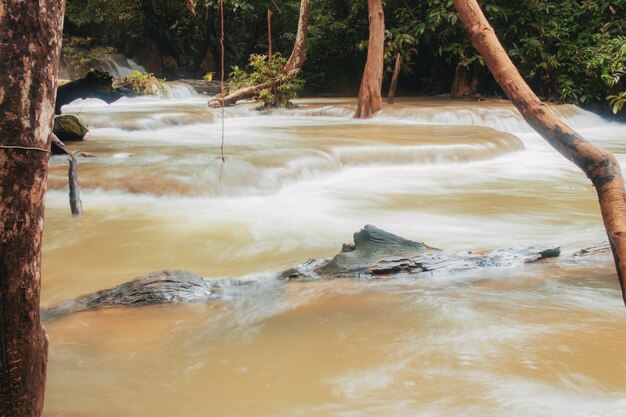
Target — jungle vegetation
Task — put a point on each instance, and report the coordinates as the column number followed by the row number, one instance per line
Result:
column 571, row 51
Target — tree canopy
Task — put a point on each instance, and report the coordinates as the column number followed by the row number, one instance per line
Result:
column 569, row 51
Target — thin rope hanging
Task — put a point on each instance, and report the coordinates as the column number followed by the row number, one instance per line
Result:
column 221, row 157
column 222, row 77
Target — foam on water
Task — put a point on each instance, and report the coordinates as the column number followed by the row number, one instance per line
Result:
column 541, row 340
column 178, row 90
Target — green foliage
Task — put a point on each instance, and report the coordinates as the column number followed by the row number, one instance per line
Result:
column 141, row 83
column 109, row 22
column 334, row 61
column 617, row 102
column 568, row 51
column 608, row 60
column 77, row 41
column 168, row 28
column 87, row 59
column 284, row 87
column 571, row 51
column 81, row 51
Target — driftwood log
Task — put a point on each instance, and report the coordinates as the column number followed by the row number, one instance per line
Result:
column 375, row 254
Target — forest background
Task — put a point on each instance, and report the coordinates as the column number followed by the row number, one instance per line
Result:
column 569, row 51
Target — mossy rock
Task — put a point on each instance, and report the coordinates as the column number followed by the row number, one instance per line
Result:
column 69, row 128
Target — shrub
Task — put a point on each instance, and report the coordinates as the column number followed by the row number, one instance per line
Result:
column 262, row 70
column 141, row 83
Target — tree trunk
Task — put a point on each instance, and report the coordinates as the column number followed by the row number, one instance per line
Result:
column 370, row 100
column 294, row 63
column 394, row 81
column 465, row 82
column 298, row 54
column 30, row 42
column 461, row 83
column 269, row 34
column 600, row 166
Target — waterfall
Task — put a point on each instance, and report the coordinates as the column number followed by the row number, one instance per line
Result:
column 118, row 65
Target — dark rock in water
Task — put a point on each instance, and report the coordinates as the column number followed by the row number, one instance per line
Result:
column 69, row 128
column 96, row 84
column 375, row 250
column 594, row 250
column 160, row 287
column 374, row 254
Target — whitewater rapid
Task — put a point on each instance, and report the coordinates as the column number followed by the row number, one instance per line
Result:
column 541, row 340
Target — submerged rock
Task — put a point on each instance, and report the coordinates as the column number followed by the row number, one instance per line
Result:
column 598, row 249
column 375, row 253
column 167, row 286
column 158, row 287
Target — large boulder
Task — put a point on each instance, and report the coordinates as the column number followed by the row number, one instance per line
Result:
column 69, row 128
column 96, row 84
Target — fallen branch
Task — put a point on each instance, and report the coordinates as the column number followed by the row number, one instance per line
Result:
column 292, row 67
column 76, row 205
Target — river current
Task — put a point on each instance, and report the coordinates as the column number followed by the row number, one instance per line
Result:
column 540, row 340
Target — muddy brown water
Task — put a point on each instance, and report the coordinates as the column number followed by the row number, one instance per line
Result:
column 540, row 340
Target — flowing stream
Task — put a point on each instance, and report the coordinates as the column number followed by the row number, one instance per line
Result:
column 539, row 340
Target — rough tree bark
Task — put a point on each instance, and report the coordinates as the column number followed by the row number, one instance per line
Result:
column 298, row 54
column 294, row 63
column 600, row 166
column 269, row 33
column 370, row 100
column 30, row 42
column 391, row 97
